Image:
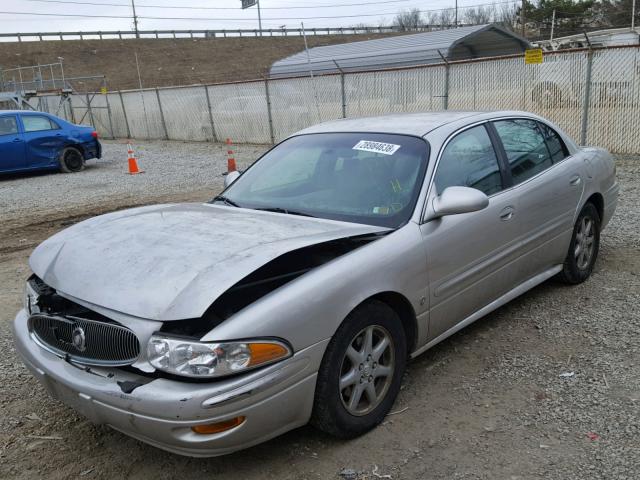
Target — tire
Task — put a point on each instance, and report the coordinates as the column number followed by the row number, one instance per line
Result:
column 71, row 160
column 333, row 410
column 584, row 247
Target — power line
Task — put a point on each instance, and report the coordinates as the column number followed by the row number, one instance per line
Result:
column 319, row 17
column 71, row 2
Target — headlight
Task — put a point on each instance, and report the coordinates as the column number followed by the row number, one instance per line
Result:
column 191, row 358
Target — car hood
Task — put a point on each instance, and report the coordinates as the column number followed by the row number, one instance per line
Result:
column 170, row 262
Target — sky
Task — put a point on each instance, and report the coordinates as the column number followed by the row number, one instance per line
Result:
column 218, row 14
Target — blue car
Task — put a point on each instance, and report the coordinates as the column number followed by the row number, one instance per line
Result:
column 39, row 141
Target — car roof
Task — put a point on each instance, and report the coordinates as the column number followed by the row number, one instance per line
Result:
column 27, row 112
column 418, row 124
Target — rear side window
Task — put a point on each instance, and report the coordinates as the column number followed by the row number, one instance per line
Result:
column 37, row 123
column 557, row 148
column 8, row 125
column 526, row 149
column 469, row 160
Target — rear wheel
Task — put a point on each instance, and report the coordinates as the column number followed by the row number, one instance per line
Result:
column 361, row 371
column 71, row 160
column 584, row 247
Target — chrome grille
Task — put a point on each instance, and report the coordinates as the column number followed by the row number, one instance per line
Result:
column 86, row 341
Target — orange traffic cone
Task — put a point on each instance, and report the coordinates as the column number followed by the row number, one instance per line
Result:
column 133, row 163
column 231, row 161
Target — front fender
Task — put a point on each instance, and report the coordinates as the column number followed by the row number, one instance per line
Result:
column 310, row 308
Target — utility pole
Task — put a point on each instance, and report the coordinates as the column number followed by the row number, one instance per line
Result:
column 553, row 23
column 260, row 18
column 135, row 18
column 456, row 13
column 633, row 14
column 524, row 2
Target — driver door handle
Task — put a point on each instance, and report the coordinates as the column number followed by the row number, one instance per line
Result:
column 575, row 180
column 507, row 213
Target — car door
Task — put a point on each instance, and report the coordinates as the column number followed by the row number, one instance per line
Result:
column 12, row 154
column 470, row 256
column 44, row 140
column 549, row 185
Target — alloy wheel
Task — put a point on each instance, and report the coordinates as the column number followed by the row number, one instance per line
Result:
column 585, row 242
column 367, row 370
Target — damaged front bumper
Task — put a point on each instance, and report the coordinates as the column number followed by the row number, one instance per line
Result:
column 161, row 411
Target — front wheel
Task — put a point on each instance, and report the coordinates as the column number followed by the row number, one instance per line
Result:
column 71, row 160
column 361, row 371
column 584, row 246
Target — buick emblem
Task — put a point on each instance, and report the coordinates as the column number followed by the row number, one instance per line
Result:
column 78, row 339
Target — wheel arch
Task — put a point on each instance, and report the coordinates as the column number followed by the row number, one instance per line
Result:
column 77, row 146
column 598, row 201
column 403, row 308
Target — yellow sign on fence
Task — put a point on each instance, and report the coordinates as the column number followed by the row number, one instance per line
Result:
column 533, row 55
column 103, row 90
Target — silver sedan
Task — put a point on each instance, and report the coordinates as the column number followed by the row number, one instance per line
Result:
column 300, row 292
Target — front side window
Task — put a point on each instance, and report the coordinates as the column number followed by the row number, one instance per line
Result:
column 37, row 123
column 469, row 160
column 369, row 178
column 8, row 125
column 557, row 148
column 526, row 149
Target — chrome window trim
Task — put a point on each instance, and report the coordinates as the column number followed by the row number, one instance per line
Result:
column 431, row 180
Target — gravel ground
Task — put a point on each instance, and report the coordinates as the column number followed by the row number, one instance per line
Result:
column 547, row 387
column 169, row 168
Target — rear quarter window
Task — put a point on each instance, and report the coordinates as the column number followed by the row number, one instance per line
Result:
column 38, row 123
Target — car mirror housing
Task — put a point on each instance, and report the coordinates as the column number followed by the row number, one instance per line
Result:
column 230, row 177
column 455, row 200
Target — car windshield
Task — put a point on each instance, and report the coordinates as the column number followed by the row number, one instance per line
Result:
column 356, row 177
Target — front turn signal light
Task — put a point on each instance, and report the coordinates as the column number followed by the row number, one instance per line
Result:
column 218, row 427
column 266, row 353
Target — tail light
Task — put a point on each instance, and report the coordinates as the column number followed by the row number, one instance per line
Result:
column 94, row 134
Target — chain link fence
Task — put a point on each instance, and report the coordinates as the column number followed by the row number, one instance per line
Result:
column 594, row 95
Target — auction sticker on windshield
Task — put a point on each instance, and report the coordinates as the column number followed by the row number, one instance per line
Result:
column 376, row 147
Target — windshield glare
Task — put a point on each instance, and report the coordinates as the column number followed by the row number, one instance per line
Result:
column 356, row 177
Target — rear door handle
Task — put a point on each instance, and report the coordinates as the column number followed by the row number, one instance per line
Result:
column 507, row 213
column 17, row 140
column 575, row 181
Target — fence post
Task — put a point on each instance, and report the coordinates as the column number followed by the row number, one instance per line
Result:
column 269, row 116
column 106, row 97
column 213, row 127
column 587, row 95
column 164, row 125
column 342, row 90
column 124, row 114
column 93, row 123
column 446, row 81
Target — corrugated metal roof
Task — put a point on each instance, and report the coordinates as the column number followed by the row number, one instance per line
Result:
column 401, row 50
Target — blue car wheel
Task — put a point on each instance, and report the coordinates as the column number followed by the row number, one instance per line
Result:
column 71, row 160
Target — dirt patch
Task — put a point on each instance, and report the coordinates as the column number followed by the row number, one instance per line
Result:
column 167, row 62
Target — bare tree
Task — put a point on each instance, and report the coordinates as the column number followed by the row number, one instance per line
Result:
column 447, row 17
column 479, row 15
column 507, row 16
column 432, row 18
column 408, row 20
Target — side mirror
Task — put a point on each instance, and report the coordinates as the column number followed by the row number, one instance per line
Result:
column 455, row 200
column 230, row 177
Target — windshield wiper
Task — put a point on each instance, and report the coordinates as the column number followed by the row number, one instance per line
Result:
column 284, row 210
column 222, row 198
